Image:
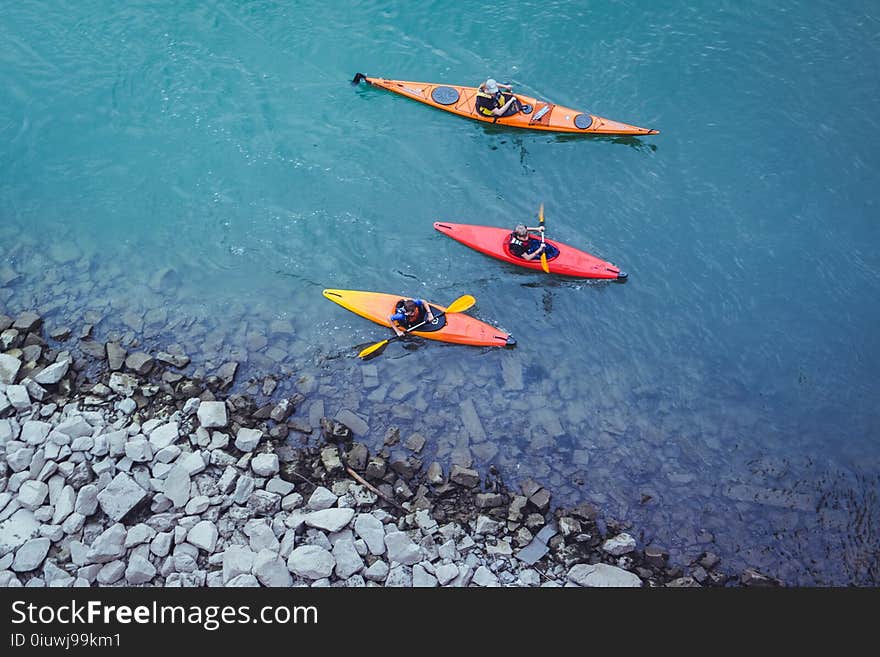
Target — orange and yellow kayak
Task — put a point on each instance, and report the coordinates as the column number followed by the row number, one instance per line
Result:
column 542, row 116
column 454, row 327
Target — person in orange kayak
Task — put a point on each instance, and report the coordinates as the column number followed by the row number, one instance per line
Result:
column 528, row 247
column 491, row 102
column 409, row 313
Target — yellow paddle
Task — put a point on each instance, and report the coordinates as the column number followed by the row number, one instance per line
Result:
column 544, row 264
column 459, row 305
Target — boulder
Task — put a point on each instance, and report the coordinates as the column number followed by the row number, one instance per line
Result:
column 400, row 548
column 247, row 439
column 330, row 520
column 212, row 414
column 602, row 575
column 115, row 356
column 120, row 496
column 139, row 362
column 204, row 536
column 311, row 562
column 53, row 373
column 265, row 465
column 30, row 555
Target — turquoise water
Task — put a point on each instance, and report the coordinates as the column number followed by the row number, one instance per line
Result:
column 199, row 171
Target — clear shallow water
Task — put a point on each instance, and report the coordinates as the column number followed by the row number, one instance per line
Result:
column 732, row 379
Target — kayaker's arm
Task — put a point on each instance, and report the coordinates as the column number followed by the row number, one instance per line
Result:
column 534, row 254
column 499, row 111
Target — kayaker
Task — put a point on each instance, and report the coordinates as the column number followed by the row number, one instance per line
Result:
column 491, row 102
column 528, row 247
column 408, row 313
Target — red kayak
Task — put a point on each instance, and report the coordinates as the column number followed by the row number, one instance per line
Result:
column 494, row 242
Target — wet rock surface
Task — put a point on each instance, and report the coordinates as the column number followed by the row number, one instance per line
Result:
column 148, row 477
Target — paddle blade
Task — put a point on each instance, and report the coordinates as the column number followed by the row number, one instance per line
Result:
column 544, row 264
column 541, row 214
column 357, row 78
column 461, row 304
column 373, row 348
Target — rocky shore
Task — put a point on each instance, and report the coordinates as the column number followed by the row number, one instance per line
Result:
column 116, row 469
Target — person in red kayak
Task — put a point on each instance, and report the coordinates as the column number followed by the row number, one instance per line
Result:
column 490, row 102
column 409, row 313
column 528, row 247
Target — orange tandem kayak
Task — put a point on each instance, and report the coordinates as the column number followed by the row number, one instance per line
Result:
column 454, row 327
column 543, row 115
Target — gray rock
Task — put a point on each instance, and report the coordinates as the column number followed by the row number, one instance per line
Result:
column 204, row 536
column 115, row 356
column 164, row 436
column 18, row 397
column 27, row 322
column 320, row 499
column 243, row 581
column 172, row 359
column 401, row 548
column 177, row 485
column 112, row 572
column 602, row 575
column 281, row 411
column 197, row 505
column 86, row 500
column 64, row 505
column 237, row 560
column 620, row 544
column 192, row 462
column 226, row 373
column 20, row 459
column 330, row 520
column 247, row 439
column 34, row 432
column 264, row 503
column 9, row 367
column 265, row 465
column 73, row 524
column 421, row 578
column 485, row 577
column 122, row 384
column 348, row 561
column 261, row 536
column 108, row 546
column 53, row 373
column 30, row 555
column 139, row 534
column 371, row 529
column 139, row 362
column 34, row 389
column 399, row 576
column 167, row 454
column 139, row 570
column 32, row 494
column 139, row 450
column 278, row 485
column 311, row 561
column 464, row 476
column 75, row 427
column 378, row 572
column 212, row 414
column 121, row 496
column 271, row 570
column 486, row 525
column 353, row 421
column 161, row 545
